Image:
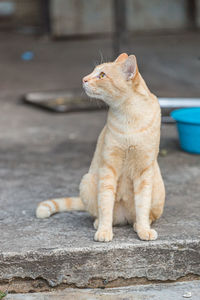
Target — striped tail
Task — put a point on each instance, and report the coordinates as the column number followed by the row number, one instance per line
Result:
column 49, row 207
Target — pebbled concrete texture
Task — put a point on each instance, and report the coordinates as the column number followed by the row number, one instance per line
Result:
column 178, row 291
column 43, row 155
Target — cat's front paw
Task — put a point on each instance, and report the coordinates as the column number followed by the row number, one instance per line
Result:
column 103, row 235
column 146, row 234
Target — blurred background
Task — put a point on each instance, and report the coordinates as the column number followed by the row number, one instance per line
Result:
column 51, row 44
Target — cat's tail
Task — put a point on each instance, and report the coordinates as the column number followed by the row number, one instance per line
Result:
column 49, row 207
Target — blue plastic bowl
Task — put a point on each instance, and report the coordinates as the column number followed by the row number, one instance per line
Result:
column 188, row 125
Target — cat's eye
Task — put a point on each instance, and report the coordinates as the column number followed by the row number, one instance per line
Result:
column 101, row 75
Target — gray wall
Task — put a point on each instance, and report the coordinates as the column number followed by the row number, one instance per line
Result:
column 23, row 13
column 79, row 17
column 75, row 17
column 156, row 14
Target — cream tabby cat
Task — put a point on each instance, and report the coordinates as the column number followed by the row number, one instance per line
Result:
column 124, row 183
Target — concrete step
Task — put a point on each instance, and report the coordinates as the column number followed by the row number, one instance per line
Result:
column 177, row 291
column 44, row 156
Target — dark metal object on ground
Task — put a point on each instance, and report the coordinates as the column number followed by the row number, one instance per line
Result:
column 77, row 100
column 64, row 101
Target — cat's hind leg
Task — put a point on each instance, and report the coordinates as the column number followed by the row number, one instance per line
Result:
column 158, row 195
column 88, row 193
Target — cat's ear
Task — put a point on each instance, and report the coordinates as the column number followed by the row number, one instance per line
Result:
column 121, row 57
column 129, row 67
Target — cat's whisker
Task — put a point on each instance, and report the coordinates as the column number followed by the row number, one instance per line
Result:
column 95, row 63
column 100, row 104
column 82, row 93
column 101, row 56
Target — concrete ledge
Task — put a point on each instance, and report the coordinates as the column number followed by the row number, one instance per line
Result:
column 44, row 156
column 104, row 265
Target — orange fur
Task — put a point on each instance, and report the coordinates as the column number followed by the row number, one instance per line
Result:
column 106, row 177
column 68, row 202
column 141, row 187
column 109, row 167
column 144, row 170
column 124, row 183
column 47, row 205
column 56, row 205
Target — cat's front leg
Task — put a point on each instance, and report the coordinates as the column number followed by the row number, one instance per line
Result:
column 142, row 197
column 106, row 198
column 108, row 176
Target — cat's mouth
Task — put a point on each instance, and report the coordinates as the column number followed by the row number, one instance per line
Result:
column 90, row 92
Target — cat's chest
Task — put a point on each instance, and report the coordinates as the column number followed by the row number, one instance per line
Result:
column 129, row 162
column 131, row 142
column 130, row 158
column 131, row 154
column 135, row 159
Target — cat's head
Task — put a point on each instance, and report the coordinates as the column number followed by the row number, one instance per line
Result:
column 112, row 82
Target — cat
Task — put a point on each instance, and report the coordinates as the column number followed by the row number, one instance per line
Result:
column 124, row 184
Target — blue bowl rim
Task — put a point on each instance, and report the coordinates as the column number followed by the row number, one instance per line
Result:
column 180, row 119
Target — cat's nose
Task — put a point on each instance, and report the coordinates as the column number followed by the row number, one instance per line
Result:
column 85, row 79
